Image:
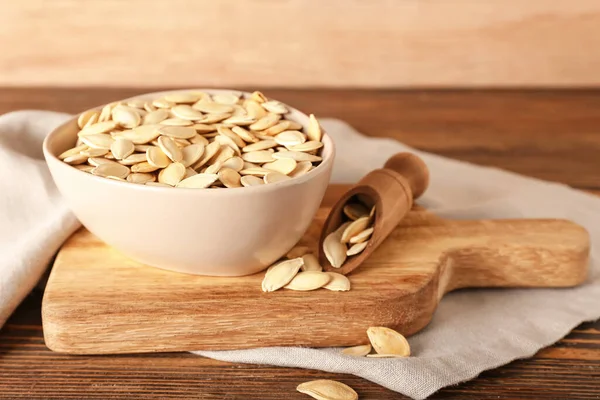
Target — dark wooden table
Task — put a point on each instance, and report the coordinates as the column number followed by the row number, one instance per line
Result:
column 553, row 135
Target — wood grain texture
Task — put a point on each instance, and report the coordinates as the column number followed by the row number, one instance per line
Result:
column 548, row 134
column 338, row 43
column 97, row 301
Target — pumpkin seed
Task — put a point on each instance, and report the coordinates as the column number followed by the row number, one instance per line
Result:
column 283, row 165
column 100, row 127
column 297, row 155
column 337, row 282
column 111, row 170
column 355, row 211
column 311, row 263
column 357, row 248
column 314, row 131
column 182, row 97
column 186, row 112
column 212, row 108
column 354, row 228
column 281, row 274
column 362, row 236
column 387, row 341
column 251, row 180
column 126, row 116
column 140, row 178
column 198, row 181
column 74, row 151
column 172, row 174
column 265, row 122
column 170, row 148
column 273, row 177
column 122, row 148
column 324, row 389
column 229, row 177
column 290, row 138
column 357, row 351
column 98, row 141
column 85, row 116
column 260, row 156
column 310, row 280
column 274, row 107
column 157, row 157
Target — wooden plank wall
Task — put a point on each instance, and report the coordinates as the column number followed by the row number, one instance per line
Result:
column 296, row 43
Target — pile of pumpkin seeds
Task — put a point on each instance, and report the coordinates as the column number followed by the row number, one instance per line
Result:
column 196, row 140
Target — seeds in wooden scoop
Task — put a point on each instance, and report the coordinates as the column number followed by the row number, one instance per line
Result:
column 310, row 280
column 281, row 274
column 324, row 389
column 356, row 248
column 387, row 341
column 228, row 133
column 354, row 236
column 355, row 210
column 357, row 351
column 361, row 236
column 354, row 229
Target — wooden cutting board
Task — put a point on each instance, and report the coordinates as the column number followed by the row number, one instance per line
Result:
column 97, row 301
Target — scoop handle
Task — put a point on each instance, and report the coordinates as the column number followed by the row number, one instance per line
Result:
column 413, row 169
column 392, row 190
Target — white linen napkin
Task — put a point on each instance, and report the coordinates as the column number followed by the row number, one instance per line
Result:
column 471, row 331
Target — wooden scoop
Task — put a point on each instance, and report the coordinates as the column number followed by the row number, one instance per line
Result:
column 391, row 189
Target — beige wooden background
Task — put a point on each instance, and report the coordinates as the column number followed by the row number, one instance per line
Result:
column 357, row 43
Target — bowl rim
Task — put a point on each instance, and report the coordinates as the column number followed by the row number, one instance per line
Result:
column 323, row 167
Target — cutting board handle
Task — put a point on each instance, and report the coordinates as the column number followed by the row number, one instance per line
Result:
column 512, row 253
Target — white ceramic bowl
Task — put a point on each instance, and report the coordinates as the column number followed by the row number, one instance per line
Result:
column 221, row 232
